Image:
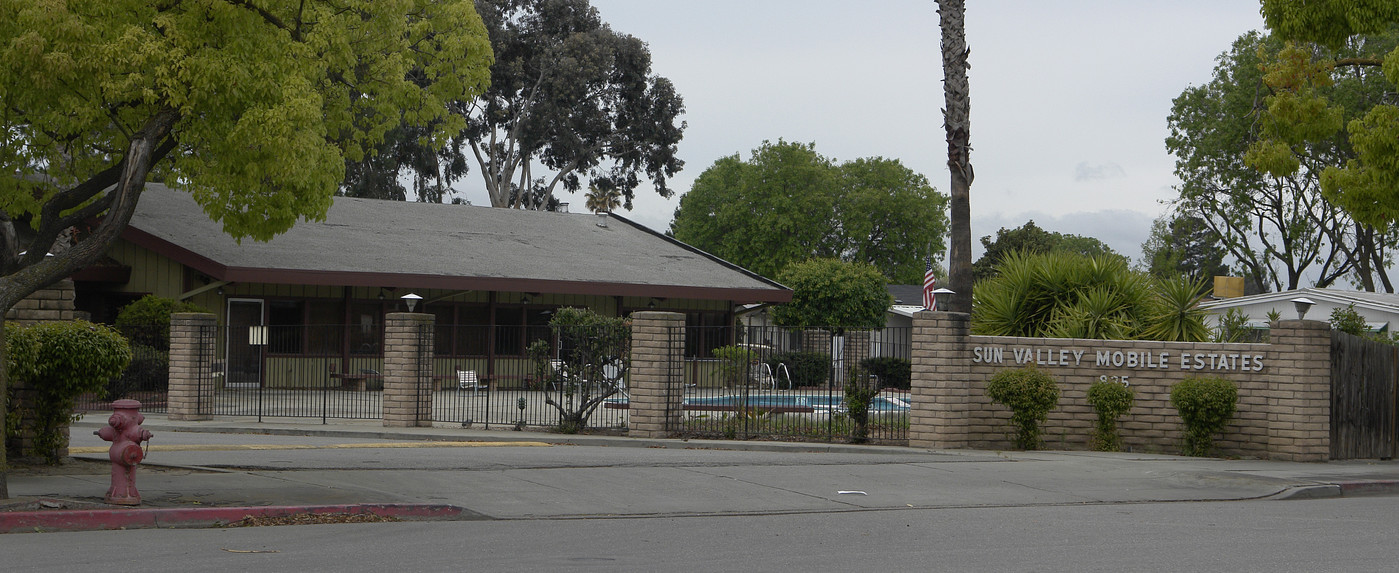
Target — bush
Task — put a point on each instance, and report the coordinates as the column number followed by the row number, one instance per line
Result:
column 1205, row 406
column 734, row 362
column 57, row 362
column 1110, row 400
column 146, row 322
column 149, row 370
column 1030, row 393
column 893, row 372
column 805, row 368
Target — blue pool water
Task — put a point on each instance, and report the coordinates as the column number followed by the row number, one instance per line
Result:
column 796, row 402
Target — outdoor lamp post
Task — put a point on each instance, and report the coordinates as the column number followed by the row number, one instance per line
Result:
column 412, row 300
column 1303, row 305
column 942, row 294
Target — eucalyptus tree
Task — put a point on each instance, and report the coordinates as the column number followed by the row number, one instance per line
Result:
column 252, row 108
column 573, row 98
column 1265, row 204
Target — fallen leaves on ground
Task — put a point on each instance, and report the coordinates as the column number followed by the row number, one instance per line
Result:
column 310, row 519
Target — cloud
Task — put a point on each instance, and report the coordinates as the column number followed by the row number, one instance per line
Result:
column 1109, row 170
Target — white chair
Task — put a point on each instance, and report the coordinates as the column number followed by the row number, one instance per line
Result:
column 467, row 380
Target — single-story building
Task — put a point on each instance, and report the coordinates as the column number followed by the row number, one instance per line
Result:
column 492, row 277
column 1380, row 310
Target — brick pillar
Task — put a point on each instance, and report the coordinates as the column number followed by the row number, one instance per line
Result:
column 857, row 349
column 819, row 341
column 191, row 394
column 407, row 363
column 941, row 380
column 657, row 368
column 1299, row 394
column 51, row 303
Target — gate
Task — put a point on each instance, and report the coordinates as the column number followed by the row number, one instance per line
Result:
column 1363, row 384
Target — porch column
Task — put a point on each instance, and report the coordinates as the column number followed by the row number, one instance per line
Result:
column 192, row 374
column 408, row 369
column 941, row 380
column 656, row 382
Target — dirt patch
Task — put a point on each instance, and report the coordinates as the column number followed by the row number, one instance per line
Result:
column 69, row 467
column 311, row 519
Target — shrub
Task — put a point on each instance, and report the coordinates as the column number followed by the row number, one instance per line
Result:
column 1110, row 400
column 1030, row 393
column 805, row 368
column 56, row 362
column 146, row 322
column 734, row 362
column 893, row 372
column 1205, row 406
column 588, row 344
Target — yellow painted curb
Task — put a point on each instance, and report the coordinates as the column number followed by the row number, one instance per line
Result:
column 254, row 447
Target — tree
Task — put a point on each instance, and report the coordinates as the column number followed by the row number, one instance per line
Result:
column 1301, row 112
column 574, row 97
column 252, row 108
column 1275, row 221
column 1183, row 245
column 603, row 201
column 1030, row 238
column 956, row 120
column 833, row 293
column 788, row 204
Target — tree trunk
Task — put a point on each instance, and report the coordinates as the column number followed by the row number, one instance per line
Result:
column 147, row 147
column 957, row 121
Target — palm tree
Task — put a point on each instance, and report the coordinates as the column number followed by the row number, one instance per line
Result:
column 956, row 118
column 603, row 201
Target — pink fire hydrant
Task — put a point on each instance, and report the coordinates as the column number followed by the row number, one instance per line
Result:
column 125, row 433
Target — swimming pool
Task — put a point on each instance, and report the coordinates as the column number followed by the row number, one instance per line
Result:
column 793, row 403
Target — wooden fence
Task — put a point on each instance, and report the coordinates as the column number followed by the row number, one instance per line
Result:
column 1364, row 374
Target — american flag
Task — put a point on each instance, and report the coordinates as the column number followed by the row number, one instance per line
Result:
column 930, row 282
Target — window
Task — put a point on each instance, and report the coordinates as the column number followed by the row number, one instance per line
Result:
column 285, row 319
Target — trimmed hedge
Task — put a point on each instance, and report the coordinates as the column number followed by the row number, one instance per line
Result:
column 893, row 372
column 806, row 368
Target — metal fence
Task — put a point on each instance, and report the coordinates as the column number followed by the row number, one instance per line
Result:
column 779, row 383
column 309, row 372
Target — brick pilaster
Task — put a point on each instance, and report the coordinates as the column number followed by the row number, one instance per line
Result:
column 941, row 377
column 408, row 369
column 192, row 375
column 656, row 375
column 1299, row 394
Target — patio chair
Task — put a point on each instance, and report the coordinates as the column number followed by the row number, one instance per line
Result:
column 612, row 377
column 467, row 380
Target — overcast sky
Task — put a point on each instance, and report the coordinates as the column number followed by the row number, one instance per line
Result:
column 1069, row 97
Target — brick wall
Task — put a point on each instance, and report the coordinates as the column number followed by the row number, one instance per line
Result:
column 52, row 303
column 1283, row 408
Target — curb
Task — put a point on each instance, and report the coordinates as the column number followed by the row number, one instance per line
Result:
column 103, row 519
column 1339, row 489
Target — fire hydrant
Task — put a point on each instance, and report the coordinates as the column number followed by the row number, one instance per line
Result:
column 125, row 433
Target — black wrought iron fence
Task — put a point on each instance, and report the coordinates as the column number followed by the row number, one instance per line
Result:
column 780, row 383
column 573, row 378
column 146, row 377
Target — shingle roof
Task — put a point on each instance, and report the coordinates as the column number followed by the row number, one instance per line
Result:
column 366, row 242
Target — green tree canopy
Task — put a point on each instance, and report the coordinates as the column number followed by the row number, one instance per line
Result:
column 1183, row 245
column 1301, row 110
column 1030, row 238
column 571, row 95
column 788, row 203
column 833, row 293
column 1262, row 200
column 253, row 108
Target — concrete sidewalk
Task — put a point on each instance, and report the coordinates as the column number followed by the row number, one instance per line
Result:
column 201, row 474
